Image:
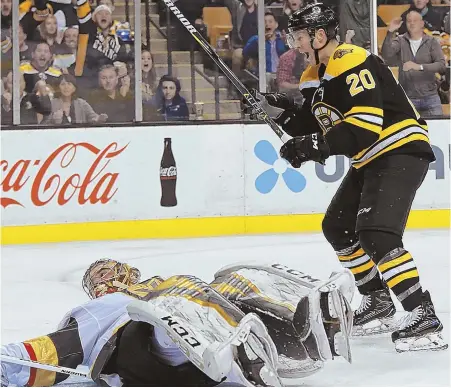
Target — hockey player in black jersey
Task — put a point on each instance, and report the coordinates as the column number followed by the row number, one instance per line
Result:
column 355, row 107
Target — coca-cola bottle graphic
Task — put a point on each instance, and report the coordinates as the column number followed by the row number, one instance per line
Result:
column 168, row 175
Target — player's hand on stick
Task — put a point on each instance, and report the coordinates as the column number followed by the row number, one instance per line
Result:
column 273, row 103
column 301, row 149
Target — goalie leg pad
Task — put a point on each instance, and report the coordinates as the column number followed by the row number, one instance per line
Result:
column 208, row 328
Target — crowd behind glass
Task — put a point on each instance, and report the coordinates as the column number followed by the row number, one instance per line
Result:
column 77, row 58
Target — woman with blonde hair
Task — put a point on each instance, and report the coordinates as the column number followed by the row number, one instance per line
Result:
column 48, row 30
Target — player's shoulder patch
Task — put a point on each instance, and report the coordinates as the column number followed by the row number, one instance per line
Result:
column 340, row 53
column 344, row 58
column 309, row 78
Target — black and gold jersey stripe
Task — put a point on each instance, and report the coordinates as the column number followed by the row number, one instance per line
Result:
column 62, row 348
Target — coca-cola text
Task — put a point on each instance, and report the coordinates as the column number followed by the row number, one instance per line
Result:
column 93, row 185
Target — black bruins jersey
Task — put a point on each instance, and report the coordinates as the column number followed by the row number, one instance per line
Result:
column 361, row 108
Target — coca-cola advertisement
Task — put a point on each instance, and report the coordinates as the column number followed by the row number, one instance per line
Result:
column 53, row 180
column 168, row 175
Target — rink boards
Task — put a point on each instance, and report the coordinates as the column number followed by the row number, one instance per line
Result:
column 104, row 184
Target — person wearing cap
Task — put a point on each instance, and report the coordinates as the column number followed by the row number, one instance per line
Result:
column 100, row 45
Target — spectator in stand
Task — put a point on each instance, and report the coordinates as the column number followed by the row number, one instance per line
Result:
column 431, row 18
column 40, row 68
column 67, row 54
column 48, row 32
column 32, row 104
column 25, row 52
column 68, row 109
column 168, row 102
column 149, row 75
column 355, row 16
column 419, row 57
column 245, row 25
column 6, row 6
column 117, row 24
column 275, row 46
column 291, row 66
column 289, row 7
column 98, row 44
column 446, row 24
column 114, row 98
column 149, row 86
column 31, row 14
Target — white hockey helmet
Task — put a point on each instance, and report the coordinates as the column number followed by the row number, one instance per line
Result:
column 106, row 276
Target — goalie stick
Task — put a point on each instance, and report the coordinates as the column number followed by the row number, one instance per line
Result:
column 228, row 73
column 38, row 365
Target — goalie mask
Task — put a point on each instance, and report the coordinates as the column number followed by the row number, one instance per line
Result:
column 106, row 276
column 312, row 18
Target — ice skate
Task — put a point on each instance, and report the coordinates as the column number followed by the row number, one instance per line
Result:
column 420, row 329
column 375, row 314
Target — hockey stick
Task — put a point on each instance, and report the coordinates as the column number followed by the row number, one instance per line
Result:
column 38, row 365
column 228, row 73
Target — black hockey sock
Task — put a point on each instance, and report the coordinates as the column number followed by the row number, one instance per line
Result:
column 400, row 272
column 397, row 267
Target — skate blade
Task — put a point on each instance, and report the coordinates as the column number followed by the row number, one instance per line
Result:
column 431, row 342
column 376, row 327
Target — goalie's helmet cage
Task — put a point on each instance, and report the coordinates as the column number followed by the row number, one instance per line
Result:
column 106, row 276
column 311, row 18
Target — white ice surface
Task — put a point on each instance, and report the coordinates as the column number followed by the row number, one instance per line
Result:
column 39, row 283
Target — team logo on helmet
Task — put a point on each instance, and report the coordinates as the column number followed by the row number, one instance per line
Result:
column 316, row 10
column 340, row 53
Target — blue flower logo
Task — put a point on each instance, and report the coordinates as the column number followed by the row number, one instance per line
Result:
column 267, row 180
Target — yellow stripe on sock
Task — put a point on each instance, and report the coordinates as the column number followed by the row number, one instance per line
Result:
column 363, row 267
column 393, row 263
column 359, row 253
column 398, row 279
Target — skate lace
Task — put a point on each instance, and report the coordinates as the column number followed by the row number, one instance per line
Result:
column 412, row 318
column 365, row 304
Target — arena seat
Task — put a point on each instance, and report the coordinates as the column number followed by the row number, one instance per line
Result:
column 389, row 12
column 218, row 21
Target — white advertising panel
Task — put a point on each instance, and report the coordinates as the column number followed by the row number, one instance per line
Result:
column 103, row 174
column 116, row 174
column 273, row 187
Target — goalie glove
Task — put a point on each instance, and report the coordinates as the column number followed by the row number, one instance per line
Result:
column 274, row 104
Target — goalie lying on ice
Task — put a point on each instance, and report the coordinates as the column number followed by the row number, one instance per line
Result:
column 253, row 325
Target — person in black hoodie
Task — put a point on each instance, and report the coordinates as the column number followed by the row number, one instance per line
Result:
column 168, row 102
column 432, row 19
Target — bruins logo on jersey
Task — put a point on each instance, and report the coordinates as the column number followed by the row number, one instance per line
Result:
column 340, row 53
column 326, row 116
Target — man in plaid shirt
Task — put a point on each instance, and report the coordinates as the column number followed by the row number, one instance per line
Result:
column 291, row 66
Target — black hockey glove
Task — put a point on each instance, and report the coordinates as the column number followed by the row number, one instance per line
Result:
column 272, row 103
column 301, row 149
